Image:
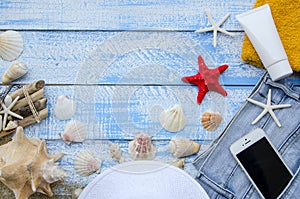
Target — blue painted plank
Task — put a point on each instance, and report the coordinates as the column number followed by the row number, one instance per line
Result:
column 74, row 57
column 117, row 15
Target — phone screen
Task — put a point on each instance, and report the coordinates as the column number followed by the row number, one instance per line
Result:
column 265, row 168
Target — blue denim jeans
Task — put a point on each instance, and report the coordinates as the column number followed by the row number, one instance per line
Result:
column 219, row 173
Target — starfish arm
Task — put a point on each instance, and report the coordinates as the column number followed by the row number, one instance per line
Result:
column 260, row 116
column 4, row 121
column 13, row 103
column 226, row 32
column 217, row 88
column 224, row 19
column 280, row 106
column 256, row 102
column 202, row 90
column 205, row 29
column 274, row 118
column 215, row 38
column 0, row 122
column 201, row 64
column 210, row 19
column 222, row 68
column 15, row 115
column 269, row 98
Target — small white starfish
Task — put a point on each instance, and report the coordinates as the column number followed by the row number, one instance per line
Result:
column 6, row 111
column 268, row 108
column 215, row 27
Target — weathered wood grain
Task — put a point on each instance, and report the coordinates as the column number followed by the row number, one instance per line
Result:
column 117, row 15
column 129, row 57
column 119, row 112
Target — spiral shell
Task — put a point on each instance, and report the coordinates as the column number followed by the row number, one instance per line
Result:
column 211, row 120
column 141, row 148
column 64, row 108
column 85, row 164
column 11, row 45
column 74, row 131
column 179, row 163
column 181, row 147
column 173, row 119
column 16, row 70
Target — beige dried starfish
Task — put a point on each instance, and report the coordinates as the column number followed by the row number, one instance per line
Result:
column 7, row 111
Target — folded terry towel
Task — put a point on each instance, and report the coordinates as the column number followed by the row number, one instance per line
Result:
column 286, row 14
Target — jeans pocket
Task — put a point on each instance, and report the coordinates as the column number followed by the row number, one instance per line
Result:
column 293, row 188
column 215, row 187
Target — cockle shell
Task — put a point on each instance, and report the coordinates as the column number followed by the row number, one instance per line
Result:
column 211, row 120
column 74, row 131
column 141, row 148
column 11, row 45
column 173, row 119
column 26, row 167
column 116, row 152
column 181, row 147
column 179, row 163
column 16, row 70
column 64, row 108
column 85, row 163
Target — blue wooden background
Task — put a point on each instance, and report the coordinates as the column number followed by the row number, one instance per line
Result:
column 122, row 61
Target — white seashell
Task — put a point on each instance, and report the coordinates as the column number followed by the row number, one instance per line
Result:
column 116, row 152
column 51, row 172
column 11, row 45
column 74, row 131
column 173, row 120
column 85, row 164
column 141, row 148
column 211, row 120
column 16, row 70
column 64, row 108
column 11, row 125
column 7, row 100
column 181, row 147
column 179, row 163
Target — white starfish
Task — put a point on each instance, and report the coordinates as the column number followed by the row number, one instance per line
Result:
column 215, row 27
column 6, row 111
column 268, row 108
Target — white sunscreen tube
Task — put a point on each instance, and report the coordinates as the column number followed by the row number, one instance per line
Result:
column 261, row 30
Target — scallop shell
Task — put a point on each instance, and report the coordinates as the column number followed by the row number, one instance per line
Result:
column 64, row 108
column 116, row 152
column 26, row 167
column 173, row 119
column 16, row 70
column 85, row 164
column 181, row 147
column 11, row 45
column 179, row 163
column 8, row 100
column 211, row 120
column 74, row 131
column 141, row 148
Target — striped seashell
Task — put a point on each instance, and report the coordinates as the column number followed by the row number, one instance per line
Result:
column 85, row 163
column 16, row 70
column 211, row 120
column 74, row 131
column 181, row 147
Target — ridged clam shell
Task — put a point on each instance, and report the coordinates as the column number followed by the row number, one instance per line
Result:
column 64, row 108
column 74, row 131
column 211, row 120
column 16, row 70
column 116, row 152
column 181, row 147
column 173, row 119
column 85, row 164
column 141, row 148
column 11, row 45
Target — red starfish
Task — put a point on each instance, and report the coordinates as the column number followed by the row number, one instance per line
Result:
column 206, row 79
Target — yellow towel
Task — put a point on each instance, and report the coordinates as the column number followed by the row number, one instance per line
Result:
column 286, row 14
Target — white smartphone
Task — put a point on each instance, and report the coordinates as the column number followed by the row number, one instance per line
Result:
column 262, row 163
